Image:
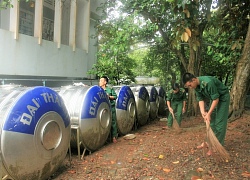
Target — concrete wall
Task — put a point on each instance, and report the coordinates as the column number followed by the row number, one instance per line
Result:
column 25, row 57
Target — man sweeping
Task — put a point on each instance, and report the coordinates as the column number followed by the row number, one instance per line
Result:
column 208, row 87
column 176, row 102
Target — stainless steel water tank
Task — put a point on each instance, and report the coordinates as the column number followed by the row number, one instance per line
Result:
column 35, row 132
column 89, row 109
column 142, row 104
column 154, row 101
column 125, row 109
column 162, row 101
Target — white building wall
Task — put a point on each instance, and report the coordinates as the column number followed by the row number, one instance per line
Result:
column 25, row 57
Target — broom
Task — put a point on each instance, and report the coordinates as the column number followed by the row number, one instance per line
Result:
column 175, row 123
column 215, row 145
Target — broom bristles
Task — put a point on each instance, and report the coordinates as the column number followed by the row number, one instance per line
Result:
column 175, row 124
column 215, row 145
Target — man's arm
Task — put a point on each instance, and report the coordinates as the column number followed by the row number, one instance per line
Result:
column 212, row 107
column 113, row 95
column 202, row 109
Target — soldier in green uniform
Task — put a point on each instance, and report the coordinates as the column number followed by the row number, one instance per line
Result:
column 208, row 87
column 112, row 97
column 176, row 102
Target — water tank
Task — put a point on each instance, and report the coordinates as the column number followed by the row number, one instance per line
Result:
column 154, row 102
column 142, row 104
column 125, row 109
column 90, row 110
column 35, row 132
column 162, row 100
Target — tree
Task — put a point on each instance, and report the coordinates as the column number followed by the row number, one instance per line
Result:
column 177, row 21
column 200, row 38
column 241, row 82
column 114, row 46
column 232, row 22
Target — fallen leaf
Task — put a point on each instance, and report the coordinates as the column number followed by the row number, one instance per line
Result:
column 166, row 170
column 245, row 174
column 199, row 170
column 130, row 160
column 129, row 136
column 72, row 171
column 112, row 162
column 195, row 178
column 197, row 159
column 161, row 156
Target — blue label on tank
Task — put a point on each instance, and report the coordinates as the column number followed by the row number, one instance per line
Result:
column 162, row 92
column 143, row 93
column 125, row 94
column 31, row 106
column 93, row 98
column 153, row 95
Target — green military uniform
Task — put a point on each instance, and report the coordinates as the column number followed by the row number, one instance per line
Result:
column 111, row 92
column 211, row 88
column 176, row 102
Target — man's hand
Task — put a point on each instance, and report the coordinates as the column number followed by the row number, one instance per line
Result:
column 204, row 115
column 183, row 110
column 207, row 117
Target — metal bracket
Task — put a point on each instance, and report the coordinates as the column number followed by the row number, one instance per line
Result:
column 77, row 128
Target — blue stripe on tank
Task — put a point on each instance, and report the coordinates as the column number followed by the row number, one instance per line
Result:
column 31, row 106
column 143, row 93
column 125, row 94
column 94, row 97
column 153, row 94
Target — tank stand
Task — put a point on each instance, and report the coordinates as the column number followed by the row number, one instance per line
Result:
column 77, row 128
column 135, row 127
column 70, row 159
column 84, row 153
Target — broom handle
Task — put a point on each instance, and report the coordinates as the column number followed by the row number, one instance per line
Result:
column 207, row 124
column 173, row 115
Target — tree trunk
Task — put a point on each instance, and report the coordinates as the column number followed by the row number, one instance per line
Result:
column 241, row 80
column 194, row 68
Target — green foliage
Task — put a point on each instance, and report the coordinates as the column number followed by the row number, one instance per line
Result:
column 224, row 40
column 5, row 4
column 160, row 25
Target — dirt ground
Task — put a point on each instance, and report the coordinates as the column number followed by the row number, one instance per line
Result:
column 154, row 153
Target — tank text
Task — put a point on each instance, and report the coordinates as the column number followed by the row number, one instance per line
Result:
column 93, row 106
column 50, row 98
column 125, row 100
column 27, row 118
column 95, row 102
